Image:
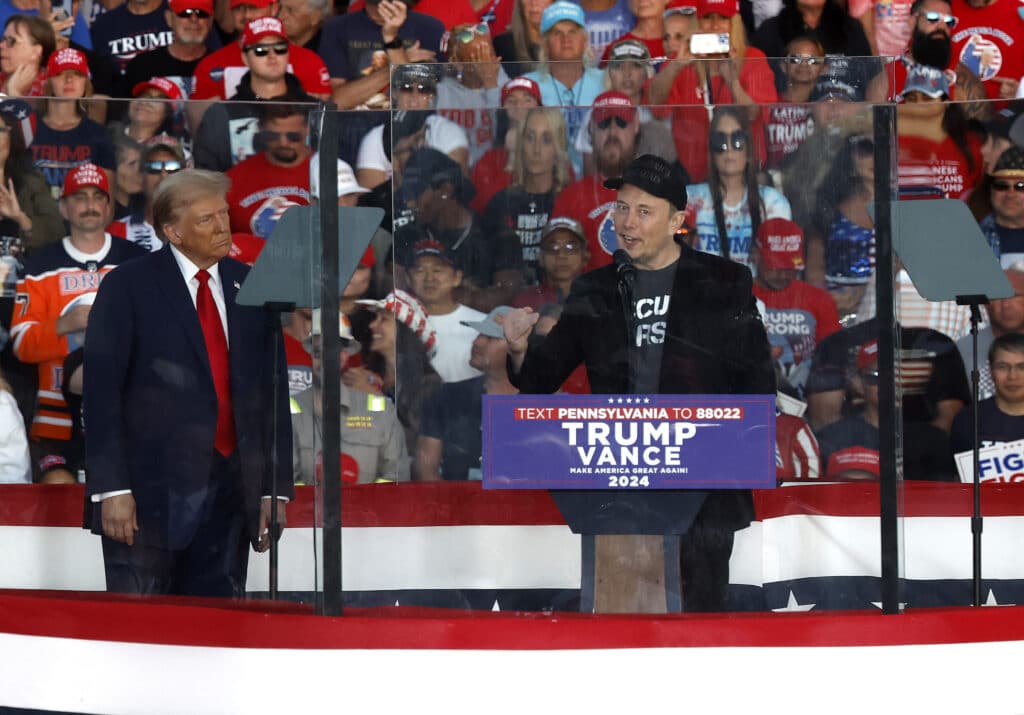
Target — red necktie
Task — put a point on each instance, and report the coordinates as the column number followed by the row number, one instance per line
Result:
column 217, row 349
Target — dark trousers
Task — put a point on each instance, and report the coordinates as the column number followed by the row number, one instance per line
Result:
column 214, row 562
column 704, row 563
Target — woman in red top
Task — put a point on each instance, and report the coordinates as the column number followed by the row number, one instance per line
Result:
column 690, row 86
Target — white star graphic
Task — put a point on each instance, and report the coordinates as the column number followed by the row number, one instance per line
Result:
column 793, row 607
column 991, row 600
column 611, row 400
column 629, row 400
column 620, row 400
column 647, row 400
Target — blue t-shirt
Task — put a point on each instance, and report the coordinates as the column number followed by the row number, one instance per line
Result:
column 121, row 35
column 606, row 26
column 79, row 31
column 349, row 42
column 55, row 152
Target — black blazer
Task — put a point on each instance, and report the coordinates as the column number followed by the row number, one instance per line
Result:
column 715, row 344
column 149, row 405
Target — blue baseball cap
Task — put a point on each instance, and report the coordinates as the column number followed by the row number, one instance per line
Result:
column 929, row 81
column 561, row 10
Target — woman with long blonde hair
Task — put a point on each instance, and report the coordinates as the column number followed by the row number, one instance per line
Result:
column 540, row 169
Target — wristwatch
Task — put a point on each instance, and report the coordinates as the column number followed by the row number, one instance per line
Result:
column 395, row 44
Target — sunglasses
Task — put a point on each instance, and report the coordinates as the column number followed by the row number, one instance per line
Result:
column 466, row 34
column 809, row 60
column 160, row 167
column 722, row 142
column 293, row 137
column 1017, row 186
column 192, row 12
column 279, row 48
column 607, row 122
column 934, row 17
column 418, row 88
column 569, row 249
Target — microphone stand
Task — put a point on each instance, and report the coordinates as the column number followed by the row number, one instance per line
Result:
column 626, row 272
column 976, row 519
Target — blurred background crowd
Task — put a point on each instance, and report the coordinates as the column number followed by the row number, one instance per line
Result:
column 486, row 130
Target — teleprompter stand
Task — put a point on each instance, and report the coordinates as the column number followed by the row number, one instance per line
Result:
column 947, row 257
column 298, row 268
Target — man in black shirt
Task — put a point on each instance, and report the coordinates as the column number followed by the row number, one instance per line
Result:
column 1001, row 417
column 190, row 22
column 692, row 327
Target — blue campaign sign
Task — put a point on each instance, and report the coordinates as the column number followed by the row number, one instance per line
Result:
column 629, row 441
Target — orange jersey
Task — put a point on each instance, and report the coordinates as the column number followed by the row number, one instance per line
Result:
column 58, row 277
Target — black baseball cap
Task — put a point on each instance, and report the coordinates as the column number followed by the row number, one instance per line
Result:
column 657, row 177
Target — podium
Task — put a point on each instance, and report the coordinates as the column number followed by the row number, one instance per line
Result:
column 631, row 474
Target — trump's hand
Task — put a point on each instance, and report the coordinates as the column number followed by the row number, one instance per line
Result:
column 118, row 518
column 264, row 526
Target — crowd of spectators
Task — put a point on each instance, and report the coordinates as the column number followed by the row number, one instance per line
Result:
column 486, row 130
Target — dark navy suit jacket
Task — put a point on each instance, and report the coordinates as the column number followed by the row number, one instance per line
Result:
column 149, row 405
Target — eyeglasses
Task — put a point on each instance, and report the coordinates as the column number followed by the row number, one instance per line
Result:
column 192, row 12
column 607, row 122
column 163, row 167
column 466, row 34
column 722, row 142
column 418, row 88
column 1008, row 367
column 557, row 249
column 1017, row 186
column 9, row 40
column 809, row 60
column 279, row 48
column 293, row 137
column 934, row 17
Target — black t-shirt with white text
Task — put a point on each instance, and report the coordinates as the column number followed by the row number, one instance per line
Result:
column 652, row 291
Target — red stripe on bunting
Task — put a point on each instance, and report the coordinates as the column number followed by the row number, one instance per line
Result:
column 213, row 624
column 467, row 503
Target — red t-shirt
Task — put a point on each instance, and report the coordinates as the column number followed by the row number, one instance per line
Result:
column 798, row 317
column 489, row 177
column 217, row 75
column 261, row 192
column 246, row 247
column 923, row 162
column 690, row 123
column 988, row 40
column 590, row 203
column 786, row 129
column 655, row 46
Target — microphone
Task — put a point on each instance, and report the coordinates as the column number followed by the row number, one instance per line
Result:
column 624, row 267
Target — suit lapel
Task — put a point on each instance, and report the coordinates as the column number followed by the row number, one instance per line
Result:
column 172, row 285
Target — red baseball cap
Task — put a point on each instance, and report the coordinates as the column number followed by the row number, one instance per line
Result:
column 522, row 83
column 67, row 59
column 83, row 176
column 781, row 244
column 177, row 6
column 613, row 104
column 859, row 459
column 680, row 7
column 867, row 354
column 256, row 30
column 725, row 8
column 162, row 85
